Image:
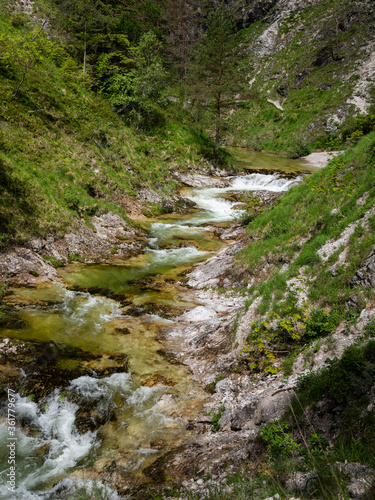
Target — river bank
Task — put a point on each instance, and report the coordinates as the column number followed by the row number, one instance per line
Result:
column 44, row 355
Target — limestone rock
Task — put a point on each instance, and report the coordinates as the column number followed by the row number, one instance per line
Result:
column 198, row 181
column 302, row 481
column 365, row 276
column 22, row 265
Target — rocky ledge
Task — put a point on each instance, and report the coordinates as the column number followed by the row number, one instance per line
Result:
column 36, row 263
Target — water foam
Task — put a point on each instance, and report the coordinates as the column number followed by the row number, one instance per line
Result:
column 261, row 182
column 221, row 210
column 57, row 448
column 79, row 308
column 174, row 256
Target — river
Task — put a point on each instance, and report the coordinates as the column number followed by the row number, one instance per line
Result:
column 130, row 403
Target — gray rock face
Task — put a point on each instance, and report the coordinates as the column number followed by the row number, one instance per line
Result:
column 360, row 477
column 254, row 11
column 29, row 267
column 111, row 235
column 241, row 417
column 365, row 276
column 199, row 181
column 302, row 481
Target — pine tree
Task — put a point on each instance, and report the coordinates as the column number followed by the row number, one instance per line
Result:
column 217, row 80
column 181, row 32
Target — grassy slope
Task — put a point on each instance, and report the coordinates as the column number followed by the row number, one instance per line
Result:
column 65, row 155
column 291, row 233
column 315, row 85
column 304, row 215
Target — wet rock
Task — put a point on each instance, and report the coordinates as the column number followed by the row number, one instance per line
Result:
column 111, row 235
column 92, row 419
column 123, row 330
column 157, row 444
column 365, row 276
column 199, row 313
column 158, row 379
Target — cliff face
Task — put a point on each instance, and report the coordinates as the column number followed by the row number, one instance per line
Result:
column 314, row 59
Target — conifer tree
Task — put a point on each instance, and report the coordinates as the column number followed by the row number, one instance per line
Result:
column 181, row 32
column 216, row 78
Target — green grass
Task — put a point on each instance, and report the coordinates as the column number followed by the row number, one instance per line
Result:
column 291, row 233
column 66, row 156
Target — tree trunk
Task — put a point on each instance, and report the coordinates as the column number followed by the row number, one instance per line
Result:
column 84, row 52
column 218, row 113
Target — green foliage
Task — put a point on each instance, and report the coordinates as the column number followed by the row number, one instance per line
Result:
column 55, row 262
column 369, row 329
column 94, row 491
column 65, row 155
column 317, row 445
column 140, row 92
column 357, row 126
column 23, row 53
column 251, row 206
column 216, row 78
column 216, row 416
column 297, row 149
column 353, row 372
column 279, row 442
column 75, row 257
column 321, row 323
column 260, row 356
column 3, row 287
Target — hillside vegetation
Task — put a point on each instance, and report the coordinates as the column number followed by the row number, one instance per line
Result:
column 314, row 60
column 66, row 155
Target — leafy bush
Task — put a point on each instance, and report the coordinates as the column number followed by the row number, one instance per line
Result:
column 297, row 149
column 280, row 442
column 321, row 323
column 55, row 262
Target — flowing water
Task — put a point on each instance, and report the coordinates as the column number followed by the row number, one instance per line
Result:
column 109, row 317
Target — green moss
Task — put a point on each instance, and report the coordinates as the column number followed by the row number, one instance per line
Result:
column 55, row 262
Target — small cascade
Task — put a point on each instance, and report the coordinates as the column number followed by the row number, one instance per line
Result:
column 58, row 447
column 263, row 182
column 221, row 210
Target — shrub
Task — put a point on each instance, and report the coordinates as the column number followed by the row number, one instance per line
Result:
column 321, row 323
column 298, row 149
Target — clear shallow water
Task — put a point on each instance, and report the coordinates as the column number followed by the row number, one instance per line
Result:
column 267, row 161
column 153, row 401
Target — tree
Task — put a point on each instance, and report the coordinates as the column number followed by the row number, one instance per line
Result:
column 181, row 32
column 22, row 54
column 217, row 79
column 105, row 31
column 140, row 92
